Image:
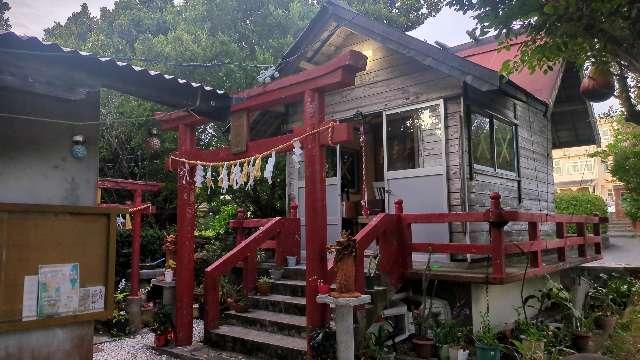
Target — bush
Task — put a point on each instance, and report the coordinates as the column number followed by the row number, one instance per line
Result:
column 631, row 206
column 580, row 203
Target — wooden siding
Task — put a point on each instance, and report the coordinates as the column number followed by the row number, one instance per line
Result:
column 533, row 189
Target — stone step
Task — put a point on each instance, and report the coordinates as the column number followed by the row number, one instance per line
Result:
column 260, row 344
column 295, row 273
column 273, row 322
column 288, row 287
column 293, row 305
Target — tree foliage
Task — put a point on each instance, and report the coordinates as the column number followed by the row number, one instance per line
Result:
column 405, row 15
column 602, row 32
column 4, row 19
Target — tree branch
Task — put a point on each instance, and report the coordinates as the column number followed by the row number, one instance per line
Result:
column 632, row 114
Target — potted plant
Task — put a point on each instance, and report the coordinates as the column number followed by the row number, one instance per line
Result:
column 372, row 272
column 582, row 333
column 276, row 272
column 423, row 318
column 530, row 338
column 168, row 271
column 161, row 327
column 239, row 304
column 601, row 304
column 450, row 337
column 376, row 347
column 264, row 286
column 487, row 345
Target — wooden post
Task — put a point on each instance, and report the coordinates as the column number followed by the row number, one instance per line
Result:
column 241, row 214
column 561, row 233
column 136, row 230
column 404, row 239
column 212, row 302
column 315, row 210
column 535, row 257
column 597, row 246
column 496, row 234
column 185, row 242
column 581, row 231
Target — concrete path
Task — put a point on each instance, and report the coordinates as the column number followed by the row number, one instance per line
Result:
column 623, row 253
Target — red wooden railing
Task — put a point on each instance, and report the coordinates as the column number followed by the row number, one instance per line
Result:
column 394, row 238
column 280, row 234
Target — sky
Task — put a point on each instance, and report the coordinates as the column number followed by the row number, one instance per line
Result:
column 30, row 17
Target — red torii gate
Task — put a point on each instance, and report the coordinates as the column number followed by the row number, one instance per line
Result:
column 308, row 86
column 137, row 209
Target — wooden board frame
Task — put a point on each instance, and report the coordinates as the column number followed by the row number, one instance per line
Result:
column 109, row 241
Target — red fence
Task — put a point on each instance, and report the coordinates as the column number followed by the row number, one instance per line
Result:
column 280, row 234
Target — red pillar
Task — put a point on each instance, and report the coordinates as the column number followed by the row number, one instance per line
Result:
column 185, row 242
column 315, row 210
column 135, row 244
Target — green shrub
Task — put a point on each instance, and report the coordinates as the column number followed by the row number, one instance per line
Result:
column 631, row 206
column 580, row 203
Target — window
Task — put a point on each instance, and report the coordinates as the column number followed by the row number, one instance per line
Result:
column 605, row 136
column 557, row 167
column 493, row 143
column 580, row 167
column 415, row 138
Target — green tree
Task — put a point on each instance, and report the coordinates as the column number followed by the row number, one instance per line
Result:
column 405, row 15
column 4, row 19
column 596, row 32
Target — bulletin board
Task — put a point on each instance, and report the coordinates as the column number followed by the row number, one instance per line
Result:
column 39, row 240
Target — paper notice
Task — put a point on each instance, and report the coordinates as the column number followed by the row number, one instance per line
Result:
column 91, row 299
column 30, row 298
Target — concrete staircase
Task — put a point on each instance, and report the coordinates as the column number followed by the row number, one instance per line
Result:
column 621, row 229
column 274, row 328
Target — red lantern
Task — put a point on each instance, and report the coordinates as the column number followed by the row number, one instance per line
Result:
column 598, row 86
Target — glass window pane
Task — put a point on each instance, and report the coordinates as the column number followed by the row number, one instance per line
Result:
column 505, row 146
column 481, row 144
column 331, row 162
column 414, row 138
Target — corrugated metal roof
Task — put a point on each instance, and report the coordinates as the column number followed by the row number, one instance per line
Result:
column 121, row 76
column 485, row 52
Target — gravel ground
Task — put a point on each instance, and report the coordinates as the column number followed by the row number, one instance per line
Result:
column 136, row 347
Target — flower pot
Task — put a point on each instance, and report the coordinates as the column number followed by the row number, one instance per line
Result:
column 264, row 289
column 160, row 340
column 533, row 349
column 606, row 323
column 444, row 352
column 346, row 275
column 276, row 274
column 423, row 347
column 370, row 282
column 581, row 342
column 240, row 308
column 168, row 275
column 292, row 261
column 457, row 353
column 484, row 352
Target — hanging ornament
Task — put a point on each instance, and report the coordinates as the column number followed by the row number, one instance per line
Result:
column 183, row 173
column 297, row 154
column 152, row 143
column 268, row 170
column 209, row 180
column 237, row 175
column 224, row 179
column 127, row 222
column 120, row 222
column 256, row 168
column 251, row 172
column 199, row 176
column 244, row 177
column 598, row 85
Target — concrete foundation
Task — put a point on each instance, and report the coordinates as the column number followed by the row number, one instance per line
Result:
column 134, row 304
column 67, row 342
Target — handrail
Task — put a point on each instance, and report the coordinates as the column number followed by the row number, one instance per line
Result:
column 282, row 232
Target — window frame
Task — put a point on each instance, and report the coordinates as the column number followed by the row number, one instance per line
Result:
column 493, row 117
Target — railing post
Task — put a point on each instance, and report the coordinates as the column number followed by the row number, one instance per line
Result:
column 561, row 233
column 581, row 231
column 212, row 302
column 597, row 245
column 293, row 210
column 293, row 233
column 404, row 239
column 496, row 235
column 535, row 257
column 241, row 214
